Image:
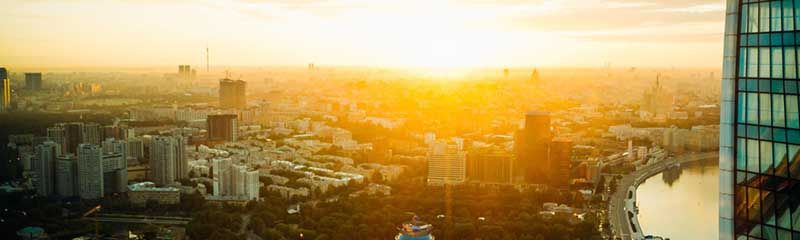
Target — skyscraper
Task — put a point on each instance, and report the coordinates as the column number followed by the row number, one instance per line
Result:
column 73, row 135
column 90, row 171
column 167, row 160
column 532, row 146
column 5, row 90
column 222, row 127
column 92, row 133
column 489, row 165
column 56, row 134
column 115, row 172
column 232, row 93
column 446, row 164
column 33, row 81
column 221, row 175
column 760, row 122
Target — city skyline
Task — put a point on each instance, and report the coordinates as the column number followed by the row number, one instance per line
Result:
column 359, row 33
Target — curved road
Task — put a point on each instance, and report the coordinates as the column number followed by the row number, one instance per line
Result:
column 618, row 217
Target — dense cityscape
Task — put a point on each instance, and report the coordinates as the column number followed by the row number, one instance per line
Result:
column 418, row 120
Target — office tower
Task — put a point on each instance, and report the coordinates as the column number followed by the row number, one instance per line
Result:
column 5, row 90
column 489, row 165
column 66, row 175
column 760, row 122
column 531, row 145
column 167, row 159
column 44, row 166
column 56, row 134
column 115, row 173
column 232, row 93
column 92, row 133
column 221, row 175
column 33, row 81
column 446, row 164
column 90, row 171
column 222, row 127
column 560, row 160
column 73, row 135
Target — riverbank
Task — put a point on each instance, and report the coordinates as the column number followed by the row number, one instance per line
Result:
column 623, row 214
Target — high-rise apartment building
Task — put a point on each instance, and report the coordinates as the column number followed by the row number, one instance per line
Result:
column 44, row 166
column 115, row 172
column 66, row 175
column 73, row 135
column 532, row 146
column 760, row 122
column 446, row 164
column 221, row 175
column 90, row 171
column 232, row 93
column 167, row 159
column 33, row 81
column 56, row 134
column 222, row 127
column 92, row 133
column 5, row 90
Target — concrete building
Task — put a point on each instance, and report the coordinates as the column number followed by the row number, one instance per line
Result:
column 66, row 176
column 90, row 171
column 45, row 161
column 57, row 134
column 135, row 148
column 222, row 127
column 560, row 160
column 221, row 175
column 232, row 93
column 532, row 146
column 167, row 159
column 92, row 133
column 140, row 193
column 489, row 165
column 115, row 173
column 33, row 81
column 446, row 164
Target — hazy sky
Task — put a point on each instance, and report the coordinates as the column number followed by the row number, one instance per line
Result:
column 655, row 33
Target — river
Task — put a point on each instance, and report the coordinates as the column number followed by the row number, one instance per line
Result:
column 681, row 203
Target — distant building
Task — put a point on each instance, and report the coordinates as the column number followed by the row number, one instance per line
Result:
column 560, row 160
column 66, row 176
column 115, row 173
column 140, row 193
column 532, row 146
column 489, row 165
column 656, row 103
column 221, row 176
column 73, row 136
column 135, row 148
column 232, row 93
column 234, row 180
column 446, row 164
column 5, row 90
column 222, row 127
column 92, row 133
column 90, row 171
column 33, row 81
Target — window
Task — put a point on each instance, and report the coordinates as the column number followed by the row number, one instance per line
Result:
column 741, row 154
column 788, row 16
column 765, row 109
column 763, row 17
column 790, row 62
column 744, row 26
column 752, row 62
column 794, row 156
column 752, row 155
column 780, row 159
column 778, row 112
column 743, row 62
column 742, row 111
column 777, row 62
column 792, row 111
column 766, row 157
column 752, row 19
column 775, row 16
column 763, row 62
column 752, row 108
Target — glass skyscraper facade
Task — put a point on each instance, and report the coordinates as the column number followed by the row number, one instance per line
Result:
column 760, row 121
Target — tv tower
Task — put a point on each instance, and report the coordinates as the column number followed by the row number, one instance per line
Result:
column 207, row 65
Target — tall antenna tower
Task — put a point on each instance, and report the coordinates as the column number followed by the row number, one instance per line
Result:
column 207, row 64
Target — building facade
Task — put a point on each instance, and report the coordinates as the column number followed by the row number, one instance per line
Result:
column 5, row 90
column 232, row 93
column 760, row 122
column 33, row 81
column 222, row 127
column 90, row 171
column 168, row 159
column 532, row 146
column 446, row 164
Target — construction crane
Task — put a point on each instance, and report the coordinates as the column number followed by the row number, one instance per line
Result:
column 90, row 212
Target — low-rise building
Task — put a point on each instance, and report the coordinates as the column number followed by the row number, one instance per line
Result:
column 140, row 193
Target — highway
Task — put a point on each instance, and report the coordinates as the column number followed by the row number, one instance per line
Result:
column 619, row 218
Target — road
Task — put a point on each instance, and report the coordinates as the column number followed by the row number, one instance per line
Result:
column 143, row 219
column 618, row 216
